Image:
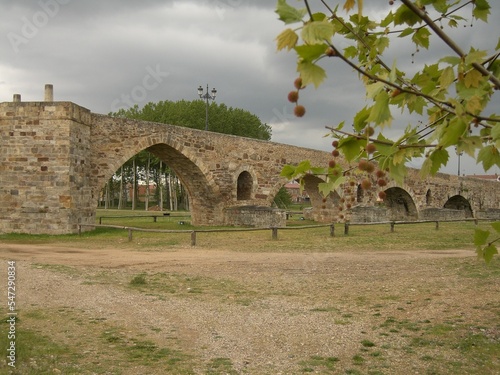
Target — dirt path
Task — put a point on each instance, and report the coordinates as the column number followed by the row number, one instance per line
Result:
column 260, row 312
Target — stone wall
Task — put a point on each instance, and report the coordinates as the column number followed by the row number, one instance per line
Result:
column 255, row 216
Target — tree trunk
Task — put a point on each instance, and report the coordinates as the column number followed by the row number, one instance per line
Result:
column 160, row 186
column 134, row 184
column 120, row 197
column 146, row 198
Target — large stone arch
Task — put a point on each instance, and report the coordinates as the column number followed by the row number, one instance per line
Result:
column 458, row 202
column 400, row 205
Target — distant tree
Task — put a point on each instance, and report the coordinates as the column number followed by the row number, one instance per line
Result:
column 283, row 199
column 191, row 114
column 450, row 95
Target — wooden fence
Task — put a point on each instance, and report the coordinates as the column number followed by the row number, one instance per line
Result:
column 274, row 230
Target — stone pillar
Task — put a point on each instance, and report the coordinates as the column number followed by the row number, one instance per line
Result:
column 17, row 98
column 49, row 93
column 45, row 168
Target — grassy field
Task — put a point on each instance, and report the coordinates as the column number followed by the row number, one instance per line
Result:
column 455, row 235
column 424, row 315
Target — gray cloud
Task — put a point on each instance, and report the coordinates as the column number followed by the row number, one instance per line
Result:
column 98, row 52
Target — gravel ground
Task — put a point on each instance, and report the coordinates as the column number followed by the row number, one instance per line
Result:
column 267, row 313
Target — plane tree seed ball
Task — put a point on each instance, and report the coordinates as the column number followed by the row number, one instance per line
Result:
column 298, row 83
column 335, row 143
column 371, row 148
column 366, row 184
column 299, row 110
column 382, row 182
column 293, row 96
column 382, row 195
column 369, row 131
column 370, row 167
column 332, row 163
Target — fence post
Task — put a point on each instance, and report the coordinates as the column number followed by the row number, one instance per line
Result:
column 275, row 233
column 437, row 225
column 332, row 230
column 154, row 218
column 129, row 234
column 79, row 229
column 392, row 226
column 346, row 228
column 193, row 238
column 100, row 220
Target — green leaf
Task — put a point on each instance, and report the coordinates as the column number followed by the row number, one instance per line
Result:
column 476, row 56
column 287, row 39
column 404, row 15
column 489, row 252
column 447, row 77
column 350, row 52
column 289, row 14
column 481, row 10
column 325, row 188
column 303, row 167
column 361, row 119
column 351, row 147
column 450, row 132
column 496, row 226
column 489, row 156
column 317, row 32
column 311, row 73
column 421, row 37
column 373, row 89
column 452, row 60
column 288, row 171
column 480, row 237
column 318, row 170
column 380, row 113
column 311, row 52
column 406, row 32
column 439, row 157
column 472, row 78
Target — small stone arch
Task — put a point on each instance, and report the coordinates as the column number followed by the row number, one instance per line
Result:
column 360, row 194
column 458, row 202
column 244, row 186
column 428, row 197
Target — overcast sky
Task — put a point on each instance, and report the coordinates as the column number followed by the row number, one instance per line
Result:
column 109, row 54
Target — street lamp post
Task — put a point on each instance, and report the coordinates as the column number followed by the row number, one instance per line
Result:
column 207, row 96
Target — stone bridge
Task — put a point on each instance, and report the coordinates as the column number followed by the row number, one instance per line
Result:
column 55, row 157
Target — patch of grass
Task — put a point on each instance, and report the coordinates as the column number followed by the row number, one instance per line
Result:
column 182, row 285
column 220, row 366
column 31, row 345
column 139, row 279
column 367, row 343
column 318, row 363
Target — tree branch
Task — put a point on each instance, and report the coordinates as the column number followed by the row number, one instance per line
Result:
column 445, row 38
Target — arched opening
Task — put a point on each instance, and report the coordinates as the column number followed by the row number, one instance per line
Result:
column 322, row 209
column 428, row 197
column 458, row 202
column 400, row 205
column 244, row 186
column 199, row 194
